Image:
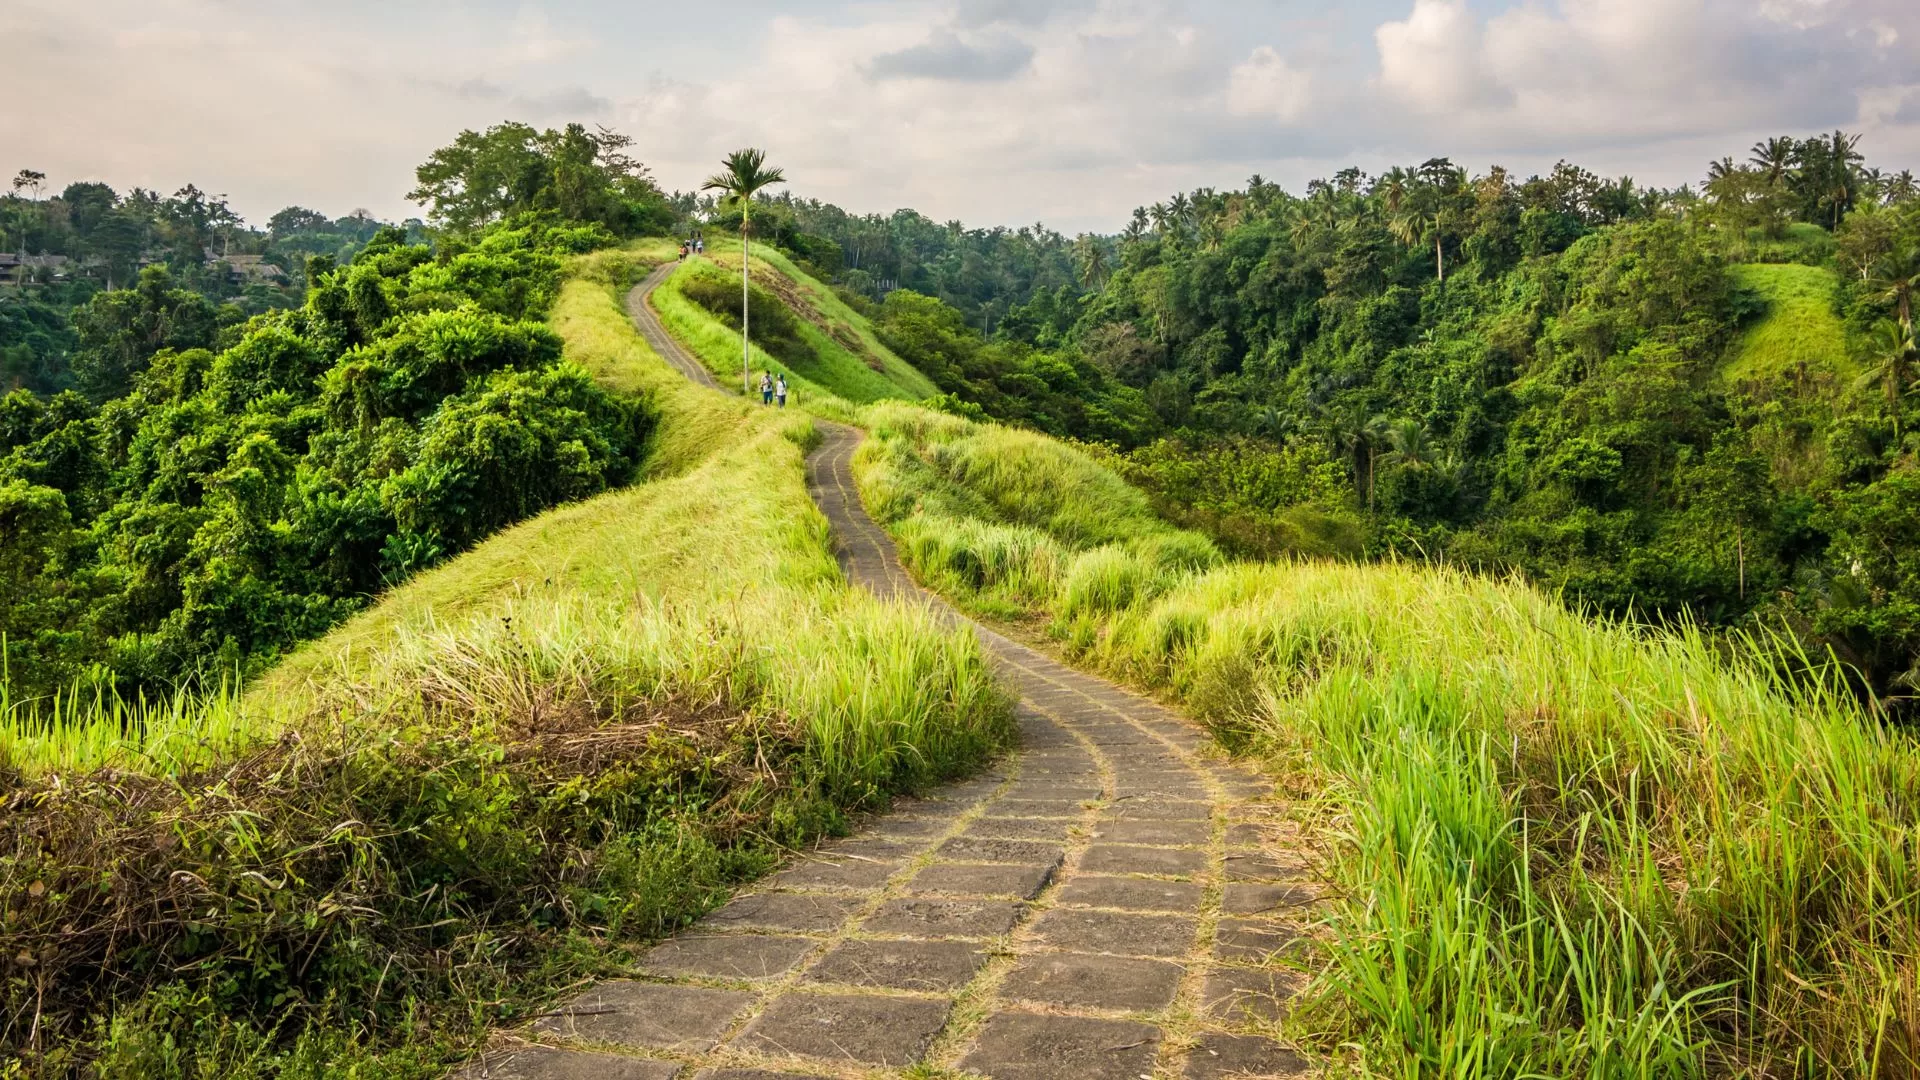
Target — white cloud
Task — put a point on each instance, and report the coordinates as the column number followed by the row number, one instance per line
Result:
column 1266, row 85
column 993, row 111
column 1432, row 60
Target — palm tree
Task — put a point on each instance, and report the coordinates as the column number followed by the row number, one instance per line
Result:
column 1774, row 157
column 1896, row 275
column 1419, row 221
column 746, row 175
column 1892, row 357
column 1411, row 446
column 1090, row 257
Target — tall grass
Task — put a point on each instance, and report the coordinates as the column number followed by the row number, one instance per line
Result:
column 579, row 733
column 1799, row 334
column 1567, row 845
column 91, row 726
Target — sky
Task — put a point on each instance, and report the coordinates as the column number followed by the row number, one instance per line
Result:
column 993, row 112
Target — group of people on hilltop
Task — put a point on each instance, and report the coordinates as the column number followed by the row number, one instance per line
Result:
column 694, row 245
column 773, row 387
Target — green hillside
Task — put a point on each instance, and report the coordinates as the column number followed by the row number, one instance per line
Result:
column 1566, row 845
column 836, row 354
column 1800, row 331
column 503, row 777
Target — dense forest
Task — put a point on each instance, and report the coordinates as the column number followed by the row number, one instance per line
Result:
column 201, row 484
column 1671, row 403
column 1674, row 403
column 58, row 250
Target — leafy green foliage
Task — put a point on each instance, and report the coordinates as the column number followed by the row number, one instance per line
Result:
column 775, row 328
column 510, row 169
column 1564, row 376
column 229, row 504
column 1063, row 395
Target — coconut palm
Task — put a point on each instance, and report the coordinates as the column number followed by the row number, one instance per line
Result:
column 1892, row 360
column 1412, row 448
column 1774, row 157
column 1090, row 257
column 746, row 175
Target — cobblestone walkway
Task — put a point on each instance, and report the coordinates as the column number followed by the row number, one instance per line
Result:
column 1097, row 907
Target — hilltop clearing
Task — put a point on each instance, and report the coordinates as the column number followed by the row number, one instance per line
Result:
column 1800, row 332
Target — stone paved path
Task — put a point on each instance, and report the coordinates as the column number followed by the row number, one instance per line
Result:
column 1099, row 906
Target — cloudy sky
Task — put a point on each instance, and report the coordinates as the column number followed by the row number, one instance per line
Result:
column 991, row 111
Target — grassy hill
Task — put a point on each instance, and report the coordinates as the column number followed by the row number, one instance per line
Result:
column 502, row 778
column 840, row 357
column 1566, row 845
column 1800, row 331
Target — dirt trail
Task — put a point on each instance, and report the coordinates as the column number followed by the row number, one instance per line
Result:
column 1096, row 907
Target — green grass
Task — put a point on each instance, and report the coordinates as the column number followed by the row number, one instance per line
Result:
column 835, row 373
column 499, row 780
column 1800, row 330
column 1566, row 846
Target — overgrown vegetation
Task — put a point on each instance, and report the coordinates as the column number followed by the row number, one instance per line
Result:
column 1568, row 846
column 1574, row 378
column 236, row 502
column 514, row 767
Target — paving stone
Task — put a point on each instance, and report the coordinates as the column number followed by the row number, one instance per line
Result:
column 1119, row 933
column 727, row 956
column 869, row 849
column 986, row 849
column 1026, row 1046
column 1248, row 835
column 1247, row 995
column 1262, row 867
column 1165, row 862
column 1131, row 894
column 551, row 1063
column 946, row 918
column 866, row 1028
column 973, row 879
column 1094, row 982
column 1217, row 1056
column 927, row 966
column 656, row 1016
column 1161, row 810
column 1241, row 899
column 1055, row 791
column 1040, row 808
column 804, row 912
column 1163, row 833
column 1244, row 939
column 911, row 827
column 1049, row 829
column 822, row 873
column 972, row 789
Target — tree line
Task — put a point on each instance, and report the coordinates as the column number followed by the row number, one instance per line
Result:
column 213, row 485
column 1557, row 375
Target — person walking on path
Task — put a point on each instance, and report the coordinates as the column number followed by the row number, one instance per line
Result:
column 780, row 391
column 766, row 388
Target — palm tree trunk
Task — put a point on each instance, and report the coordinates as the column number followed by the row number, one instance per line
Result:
column 746, row 314
column 1440, row 259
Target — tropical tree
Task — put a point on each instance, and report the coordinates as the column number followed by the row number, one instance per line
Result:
column 745, row 174
column 1774, row 157
column 1090, row 258
column 29, row 180
column 1892, row 359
